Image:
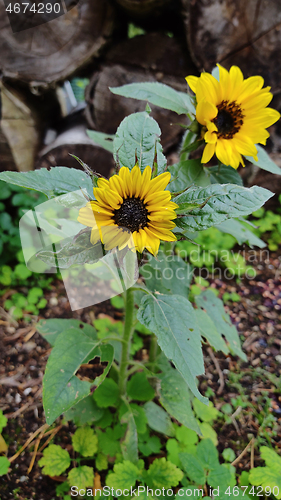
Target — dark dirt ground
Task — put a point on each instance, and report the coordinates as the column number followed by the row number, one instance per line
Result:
column 23, row 355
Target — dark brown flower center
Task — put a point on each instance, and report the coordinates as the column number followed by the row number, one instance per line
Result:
column 229, row 119
column 131, row 215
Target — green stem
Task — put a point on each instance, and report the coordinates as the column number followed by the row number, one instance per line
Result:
column 168, row 248
column 153, row 349
column 127, row 337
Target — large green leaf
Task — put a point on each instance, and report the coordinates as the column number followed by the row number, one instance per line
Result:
column 50, row 329
column 219, row 203
column 224, row 174
column 175, row 397
column 186, row 173
column 104, row 140
column 129, row 444
column 241, row 232
column 166, row 274
column 208, row 330
column 138, row 137
column 158, row 419
column 53, row 182
column 61, row 388
column 215, row 309
column 78, row 250
column 264, row 161
column 159, row 94
column 171, row 318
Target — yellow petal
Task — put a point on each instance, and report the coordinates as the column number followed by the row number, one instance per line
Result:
column 205, row 111
column 192, row 82
column 208, row 152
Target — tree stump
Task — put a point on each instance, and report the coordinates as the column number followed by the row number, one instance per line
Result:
column 53, row 50
column 152, row 57
column 20, row 131
column 229, row 32
column 143, row 8
column 73, row 139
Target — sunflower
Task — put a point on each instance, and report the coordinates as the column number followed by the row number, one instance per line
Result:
column 131, row 206
column 234, row 114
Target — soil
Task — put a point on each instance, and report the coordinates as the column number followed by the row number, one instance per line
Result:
column 24, row 353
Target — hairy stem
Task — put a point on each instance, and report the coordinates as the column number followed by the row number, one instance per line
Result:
column 127, row 338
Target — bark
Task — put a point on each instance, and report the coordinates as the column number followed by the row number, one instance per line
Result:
column 229, row 32
column 152, row 57
column 143, row 8
column 20, row 131
column 53, row 50
column 74, row 140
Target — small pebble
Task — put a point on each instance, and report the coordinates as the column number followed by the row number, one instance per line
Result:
column 53, row 301
column 10, row 329
column 17, row 398
column 27, row 391
column 278, row 358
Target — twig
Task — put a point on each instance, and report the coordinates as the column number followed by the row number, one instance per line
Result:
column 43, row 427
column 30, row 334
column 53, row 433
column 243, row 452
column 7, row 317
column 253, row 454
column 220, row 374
column 20, row 410
column 35, row 450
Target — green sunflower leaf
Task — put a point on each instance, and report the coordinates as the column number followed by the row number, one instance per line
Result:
column 224, row 174
column 139, row 388
column 104, row 140
column 167, row 274
column 219, row 203
column 50, row 329
column 129, row 445
column 61, row 388
column 158, row 419
column 55, row 460
column 240, row 230
column 159, row 94
column 173, row 321
column 138, row 136
column 186, row 173
column 53, row 182
column 215, row 310
column 175, row 397
column 264, row 161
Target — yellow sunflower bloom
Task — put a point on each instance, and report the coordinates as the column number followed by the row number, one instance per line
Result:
column 234, row 114
column 131, row 205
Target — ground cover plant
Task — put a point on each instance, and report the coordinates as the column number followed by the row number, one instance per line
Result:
column 143, row 216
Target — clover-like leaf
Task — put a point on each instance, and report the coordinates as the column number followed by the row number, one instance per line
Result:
column 124, row 476
column 269, row 476
column 4, row 465
column 163, row 474
column 3, row 421
column 81, row 477
column 55, row 460
column 85, row 441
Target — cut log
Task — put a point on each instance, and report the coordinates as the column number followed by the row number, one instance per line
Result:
column 74, row 140
column 20, row 130
column 143, row 8
column 152, row 57
column 246, row 34
column 53, row 50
